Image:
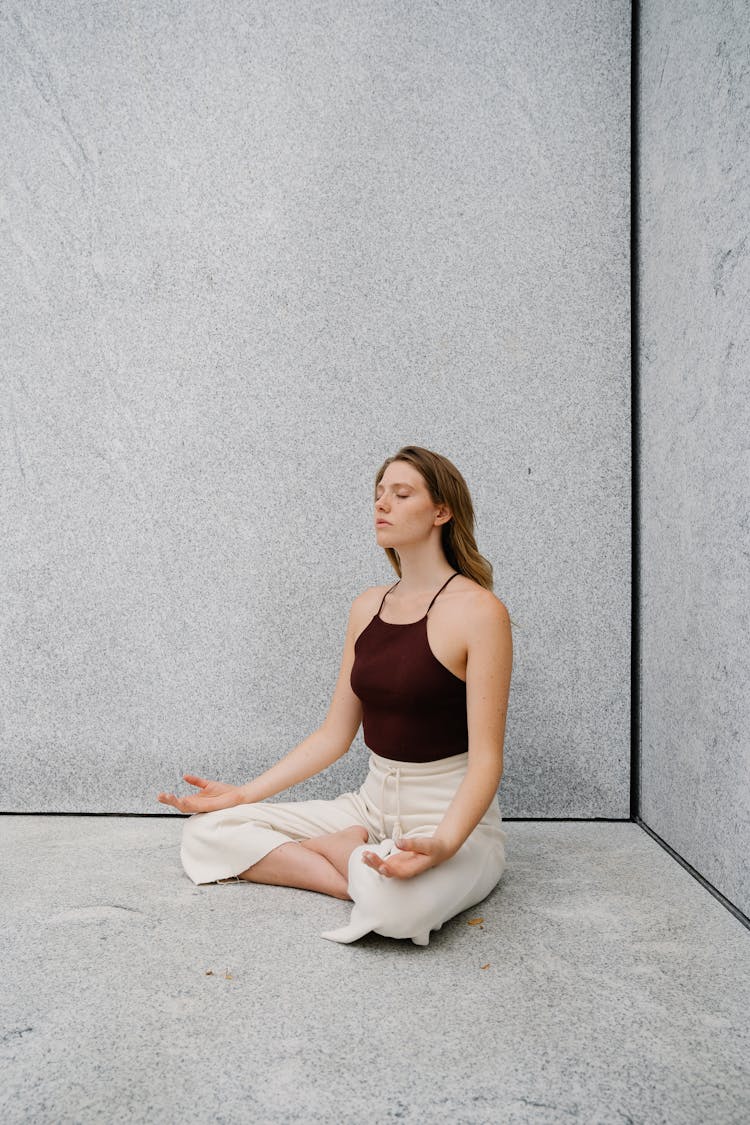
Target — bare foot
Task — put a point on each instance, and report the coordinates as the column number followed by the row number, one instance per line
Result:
column 337, row 847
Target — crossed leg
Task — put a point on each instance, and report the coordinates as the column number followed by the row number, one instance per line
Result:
column 318, row 864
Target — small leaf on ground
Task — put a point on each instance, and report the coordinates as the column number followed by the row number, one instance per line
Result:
column 486, row 966
column 475, row 921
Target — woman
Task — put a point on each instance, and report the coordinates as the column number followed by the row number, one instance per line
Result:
column 426, row 669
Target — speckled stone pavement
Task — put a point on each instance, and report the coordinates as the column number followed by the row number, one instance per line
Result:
column 604, row 984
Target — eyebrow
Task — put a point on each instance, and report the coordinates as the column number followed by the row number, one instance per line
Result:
column 398, row 484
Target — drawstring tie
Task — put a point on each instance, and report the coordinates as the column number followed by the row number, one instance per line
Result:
column 395, row 772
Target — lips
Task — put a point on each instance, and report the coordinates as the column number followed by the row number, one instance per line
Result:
column 382, row 523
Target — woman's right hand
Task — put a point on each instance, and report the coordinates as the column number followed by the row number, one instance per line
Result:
column 212, row 795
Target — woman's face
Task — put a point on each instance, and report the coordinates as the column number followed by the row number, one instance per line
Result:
column 404, row 503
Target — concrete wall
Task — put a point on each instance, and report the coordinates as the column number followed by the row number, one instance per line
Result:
column 250, row 248
column 694, row 361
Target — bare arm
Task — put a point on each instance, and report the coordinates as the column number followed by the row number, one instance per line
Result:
column 488, row 672
column 315, row 753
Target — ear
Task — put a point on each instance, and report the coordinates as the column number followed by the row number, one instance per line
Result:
column 443, row 514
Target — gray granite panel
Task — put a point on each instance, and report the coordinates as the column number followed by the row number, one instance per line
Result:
column 694, row 362
column 250, row 249
column 603, row 985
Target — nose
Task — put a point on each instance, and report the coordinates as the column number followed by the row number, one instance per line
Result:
column 379, row 504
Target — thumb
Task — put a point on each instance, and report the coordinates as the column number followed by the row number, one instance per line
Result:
column 421, row 844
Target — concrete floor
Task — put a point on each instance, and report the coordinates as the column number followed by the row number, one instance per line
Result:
column 604, row 985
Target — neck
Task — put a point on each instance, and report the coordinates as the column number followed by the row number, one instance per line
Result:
column 423, row 568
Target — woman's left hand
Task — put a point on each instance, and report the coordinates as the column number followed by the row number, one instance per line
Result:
column 416, row 854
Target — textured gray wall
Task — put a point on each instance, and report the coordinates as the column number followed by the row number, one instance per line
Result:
column 249, row 250
column 695, row 358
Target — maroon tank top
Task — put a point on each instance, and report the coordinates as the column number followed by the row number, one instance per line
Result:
column 413, row 707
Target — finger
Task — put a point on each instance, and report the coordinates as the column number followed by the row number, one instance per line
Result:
column 375, row 862
column 182, row 804
column 391, row 870
column 193, row 779
column 170, row 799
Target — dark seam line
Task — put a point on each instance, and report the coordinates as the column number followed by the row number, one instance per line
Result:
column 635, row 541
column 171, row 816
column 696, row 875
column 118, row 815
column 563, row 819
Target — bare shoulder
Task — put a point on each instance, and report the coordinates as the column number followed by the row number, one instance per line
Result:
column 365, row 604
column 478, row 605
column 370, row 595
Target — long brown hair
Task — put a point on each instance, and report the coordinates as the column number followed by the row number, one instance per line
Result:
column 446, row 486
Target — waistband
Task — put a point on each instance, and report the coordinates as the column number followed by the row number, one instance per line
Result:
column 456, row 762
column 392, row 769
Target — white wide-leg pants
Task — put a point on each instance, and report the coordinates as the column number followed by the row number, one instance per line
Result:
column 396, row 799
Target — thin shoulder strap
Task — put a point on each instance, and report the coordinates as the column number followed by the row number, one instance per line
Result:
column 385, row 595
column 429, row 607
